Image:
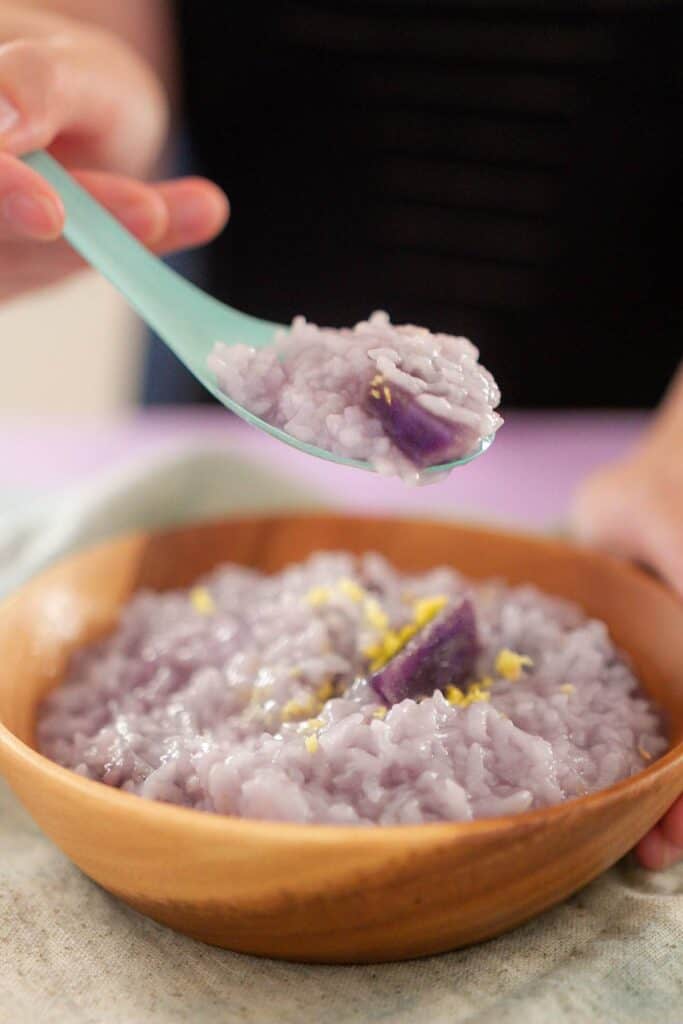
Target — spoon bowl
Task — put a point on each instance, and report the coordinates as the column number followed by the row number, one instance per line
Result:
column 318, row 892
column 188, row 320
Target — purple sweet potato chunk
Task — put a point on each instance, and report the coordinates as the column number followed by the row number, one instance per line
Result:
column 426, row 439
column 442, row 653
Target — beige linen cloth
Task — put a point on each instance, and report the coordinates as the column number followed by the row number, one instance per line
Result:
column 72, row 954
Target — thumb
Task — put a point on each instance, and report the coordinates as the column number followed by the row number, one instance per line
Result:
column 84, row 94
column 635, row 510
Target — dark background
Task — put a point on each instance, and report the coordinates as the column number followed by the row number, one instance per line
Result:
column 508, row 171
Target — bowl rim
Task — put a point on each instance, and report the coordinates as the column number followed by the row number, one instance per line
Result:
column 225, row 825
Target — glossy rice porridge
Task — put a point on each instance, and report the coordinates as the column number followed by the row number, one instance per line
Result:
column 340, row 691
column 400, row 397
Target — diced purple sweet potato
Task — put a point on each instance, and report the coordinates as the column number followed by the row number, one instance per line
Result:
column 426, row 439
column 441, row 654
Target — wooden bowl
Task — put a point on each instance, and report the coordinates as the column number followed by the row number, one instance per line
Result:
column 327, row 893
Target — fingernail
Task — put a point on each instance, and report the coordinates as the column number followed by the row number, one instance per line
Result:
column 9, row 115
column 36, row 216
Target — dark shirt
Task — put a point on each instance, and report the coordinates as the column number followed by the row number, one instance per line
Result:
column 507, row 170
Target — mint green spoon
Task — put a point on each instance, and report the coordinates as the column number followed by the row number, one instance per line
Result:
column 185, row 317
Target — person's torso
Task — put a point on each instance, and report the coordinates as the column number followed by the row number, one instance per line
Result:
column 489, row 169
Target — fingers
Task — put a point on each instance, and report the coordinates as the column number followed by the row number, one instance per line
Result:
column 660, row 537
column 656, row 852
column 85, row 92
column 663, row 846
column 29, row 208
column 197, row 211
column 671, row 826
column 139, row 207
column 165, row 217
column 635, row 511
column 603, row 514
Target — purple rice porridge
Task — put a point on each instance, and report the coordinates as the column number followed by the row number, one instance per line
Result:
column 399, row 397
column 341, row 691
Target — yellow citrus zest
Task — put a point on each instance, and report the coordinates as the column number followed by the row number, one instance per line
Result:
column 351, row 589
column 202, row 601
column 426, row 608
column 325, row 690
column 476, row 692
column 294, row 710
column 317, row 596
column 374, row 614
column 509, row 664
column 311, row 725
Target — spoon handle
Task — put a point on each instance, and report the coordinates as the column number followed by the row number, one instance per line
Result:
column 186, row 318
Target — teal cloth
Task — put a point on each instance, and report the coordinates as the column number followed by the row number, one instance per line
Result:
column 178, row 486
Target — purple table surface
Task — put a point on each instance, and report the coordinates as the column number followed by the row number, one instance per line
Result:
column 526, row 479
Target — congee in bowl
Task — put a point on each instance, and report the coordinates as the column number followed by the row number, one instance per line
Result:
column 339, row 690
column 115, row 664
column 398, row 396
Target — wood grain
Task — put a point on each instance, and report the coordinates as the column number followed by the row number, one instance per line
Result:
column 322, row 893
